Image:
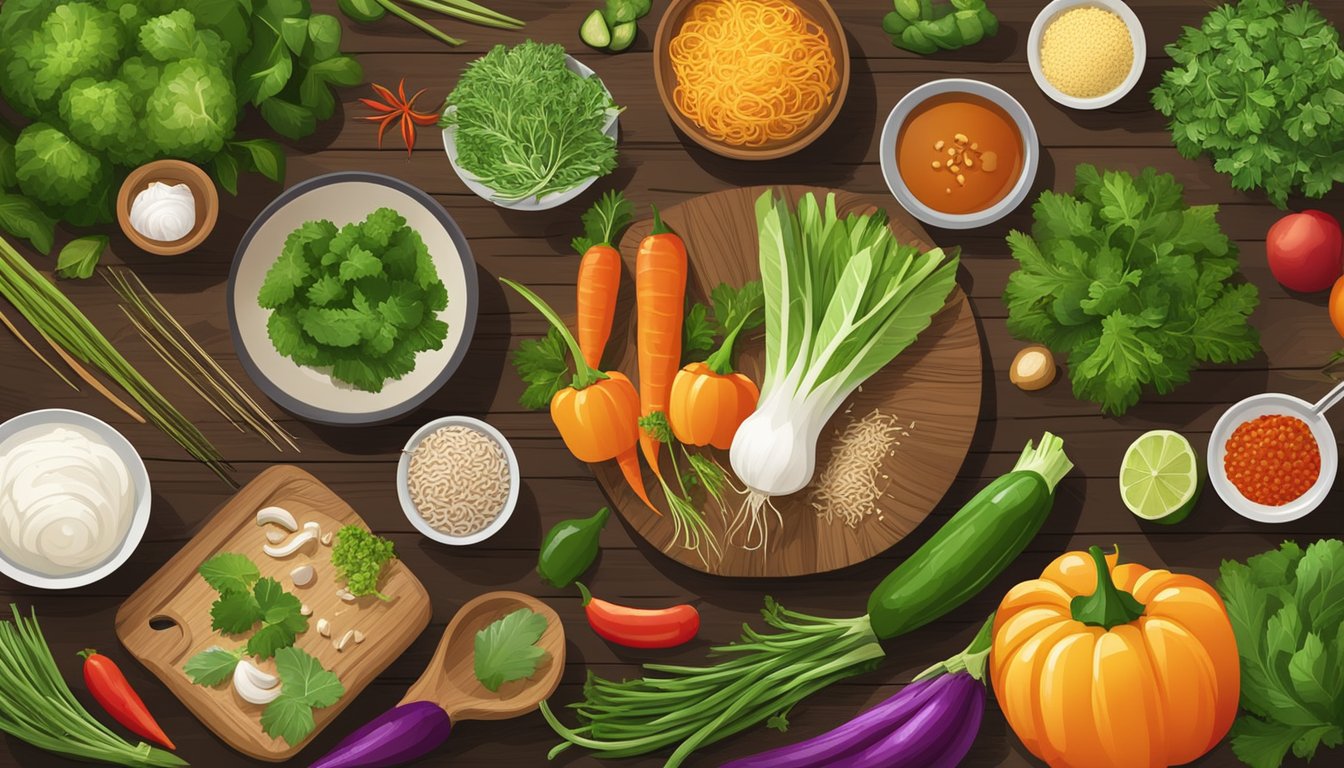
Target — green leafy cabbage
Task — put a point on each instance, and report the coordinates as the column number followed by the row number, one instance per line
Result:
column 362, row 300
column 1131, row 285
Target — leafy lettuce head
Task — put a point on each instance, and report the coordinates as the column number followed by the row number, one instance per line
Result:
column 62, row 44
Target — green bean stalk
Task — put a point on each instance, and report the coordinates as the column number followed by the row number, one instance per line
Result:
column 466, row 10
column 763, row 674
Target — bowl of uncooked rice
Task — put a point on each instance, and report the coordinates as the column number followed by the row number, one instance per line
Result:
column 458, row 480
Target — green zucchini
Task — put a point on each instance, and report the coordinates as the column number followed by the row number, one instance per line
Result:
column 973, row 547
column 594, row 31
column 622, row 35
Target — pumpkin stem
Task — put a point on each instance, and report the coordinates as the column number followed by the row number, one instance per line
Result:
column 584, row 374
column 1108, row 607
column 973, row 659
column 721, row 362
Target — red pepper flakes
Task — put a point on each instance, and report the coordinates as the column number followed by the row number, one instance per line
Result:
column 1273, row 459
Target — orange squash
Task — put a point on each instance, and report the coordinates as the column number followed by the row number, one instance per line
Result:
column 1098, row 665
column 706, row 407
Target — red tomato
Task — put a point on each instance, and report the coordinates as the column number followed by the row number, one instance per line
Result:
column 1304, row 251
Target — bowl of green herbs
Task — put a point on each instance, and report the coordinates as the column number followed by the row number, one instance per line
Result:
column 529, row 127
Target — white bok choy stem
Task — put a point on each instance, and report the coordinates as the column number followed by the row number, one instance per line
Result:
column 843, row 297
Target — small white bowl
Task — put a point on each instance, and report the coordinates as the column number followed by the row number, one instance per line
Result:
column 1055, row 8
column 135, row 467
column 545, row 202
column 891, row 131
column 1270, row 404
column 404, row 493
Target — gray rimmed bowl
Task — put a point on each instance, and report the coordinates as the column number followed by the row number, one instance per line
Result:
column 1031, row 153
column 403, row 483
column 135, row 467
column 312, row 393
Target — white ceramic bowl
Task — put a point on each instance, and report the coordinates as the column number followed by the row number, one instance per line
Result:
column 135, row 467
column 343, row 197
column 404, row 494
column 1031, row 153
column 545, row 202
column 1053, row 9
column 1266, row 405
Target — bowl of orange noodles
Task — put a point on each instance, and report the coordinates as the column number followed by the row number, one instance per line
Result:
column 751, row 79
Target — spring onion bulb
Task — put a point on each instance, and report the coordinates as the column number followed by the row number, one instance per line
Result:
column 842, row 298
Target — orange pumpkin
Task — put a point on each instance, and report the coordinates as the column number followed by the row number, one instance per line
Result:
column 1098, row 665
column 706, row 407
column 599, row 421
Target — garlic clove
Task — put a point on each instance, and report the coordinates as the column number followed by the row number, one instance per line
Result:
column 305, row 610
column 326, row 539
column 275, row 537
column 359, row 636
column 345, row 640
column 303, row 575
column 253, row 685
column 293, row 545
column 277, row 516
column 324, row 627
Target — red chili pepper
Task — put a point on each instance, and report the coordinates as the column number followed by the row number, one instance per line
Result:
column 640, row 627
column 114, row 692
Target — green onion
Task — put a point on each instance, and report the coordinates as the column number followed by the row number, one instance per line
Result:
column 697, row 706
column 37, row 706
column 53, row 315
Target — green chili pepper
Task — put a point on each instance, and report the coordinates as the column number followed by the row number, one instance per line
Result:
column 924, row 27
column 570, row 548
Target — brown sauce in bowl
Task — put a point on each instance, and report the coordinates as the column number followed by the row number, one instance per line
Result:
column 959, row 153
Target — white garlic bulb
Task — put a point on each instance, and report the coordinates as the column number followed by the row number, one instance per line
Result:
column 164, row 213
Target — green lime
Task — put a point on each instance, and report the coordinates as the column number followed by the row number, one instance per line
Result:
column 1159, row 477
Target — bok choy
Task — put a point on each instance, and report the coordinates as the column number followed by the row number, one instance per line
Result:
column 843, row 297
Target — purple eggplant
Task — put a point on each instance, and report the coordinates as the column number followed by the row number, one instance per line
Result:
column 931, row 723
column 938, row 736
column 853, row 736
column 397, row 736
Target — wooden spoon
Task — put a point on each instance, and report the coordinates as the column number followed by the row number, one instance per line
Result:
column 449, row 692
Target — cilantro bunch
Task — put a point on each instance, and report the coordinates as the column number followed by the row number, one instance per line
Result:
column 1260, row 87
column 1130, row 284
column 246, row 600
column 363, row 299
column 1287, row 612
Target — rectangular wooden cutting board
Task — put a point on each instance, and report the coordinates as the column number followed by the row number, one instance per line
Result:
column 167, row 621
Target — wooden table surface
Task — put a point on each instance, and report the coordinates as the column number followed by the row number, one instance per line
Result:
column 658, row 166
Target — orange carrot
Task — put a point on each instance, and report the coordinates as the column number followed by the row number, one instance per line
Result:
column 599, row 274
column 660, row 294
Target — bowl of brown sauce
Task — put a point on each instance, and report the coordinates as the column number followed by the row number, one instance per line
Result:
column 959, row 153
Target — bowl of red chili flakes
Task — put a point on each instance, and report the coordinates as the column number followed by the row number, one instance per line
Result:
column 1272, row 458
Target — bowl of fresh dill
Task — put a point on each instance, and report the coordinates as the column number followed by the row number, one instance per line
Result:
column 529, row 127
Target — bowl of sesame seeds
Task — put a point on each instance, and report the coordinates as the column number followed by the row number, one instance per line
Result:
column 1086, row 54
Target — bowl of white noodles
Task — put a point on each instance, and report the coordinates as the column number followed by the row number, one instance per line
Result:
column 458, row 480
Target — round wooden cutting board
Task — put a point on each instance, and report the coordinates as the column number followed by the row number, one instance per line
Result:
column 933, row 385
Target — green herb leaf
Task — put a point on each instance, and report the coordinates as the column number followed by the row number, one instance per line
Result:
column 360, row 556
column 1132, row 286
column 526, row 125
column 697, row 334
column 655, row 425
column 506, row 650
column 543, row 364
column 601, row 223
column 229, row 572
column 1287, row 612
column 734, row 306
column 211, row 667
column 1229, row 94
column 22, row 217
column 80, row 256
column 265, row 157
column 288, row 718
column 234, row 613
column 304, row 686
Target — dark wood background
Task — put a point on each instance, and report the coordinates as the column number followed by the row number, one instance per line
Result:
column 659, row 166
